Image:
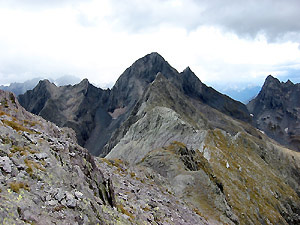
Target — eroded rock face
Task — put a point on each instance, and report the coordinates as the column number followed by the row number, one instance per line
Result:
column 276, row 111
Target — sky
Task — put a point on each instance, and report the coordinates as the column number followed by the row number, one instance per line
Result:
column 227, row 43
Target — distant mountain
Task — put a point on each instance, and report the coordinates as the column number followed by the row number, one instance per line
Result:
column 21, row 88
column 66, row 80
column 243, row 95
column 276, row 111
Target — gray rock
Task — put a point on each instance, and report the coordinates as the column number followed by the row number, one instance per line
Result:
column 60, row 195
column 27, row 215
column 78, row 194
column 70, row 200
column 41, row 156
column 48, row 197
column 6, row 164
column 52, row 202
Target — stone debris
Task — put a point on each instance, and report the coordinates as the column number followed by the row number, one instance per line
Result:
column 70, row 200
column 78, row 194
column 6, row 164
column 41, row 156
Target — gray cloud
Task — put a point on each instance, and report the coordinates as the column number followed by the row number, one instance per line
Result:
column 276, row 19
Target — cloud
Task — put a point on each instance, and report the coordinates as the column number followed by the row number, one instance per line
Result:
column 37, row 4
column 276, row 19
column 99, row 39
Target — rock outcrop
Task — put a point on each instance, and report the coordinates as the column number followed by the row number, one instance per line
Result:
column 276, row 111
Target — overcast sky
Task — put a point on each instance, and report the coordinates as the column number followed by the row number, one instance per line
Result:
column 223, row 41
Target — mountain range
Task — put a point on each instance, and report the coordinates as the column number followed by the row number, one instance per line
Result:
column 176, row 151
column 243, row 94
column 97, row 113
column 21, row 88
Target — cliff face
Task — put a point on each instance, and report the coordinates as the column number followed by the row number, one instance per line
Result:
column 276, row 111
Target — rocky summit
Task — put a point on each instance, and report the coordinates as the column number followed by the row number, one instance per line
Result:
column 176, row 152
column 276, row 111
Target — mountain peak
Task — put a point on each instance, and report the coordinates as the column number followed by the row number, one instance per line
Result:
column 45, row 81
column 154, row 60
column 271, row 79
column 289, row 83
column 188, row 69
column 138, row 76
column 189, row 74
column 46, row 84
column 154, row 55
column 85, row 81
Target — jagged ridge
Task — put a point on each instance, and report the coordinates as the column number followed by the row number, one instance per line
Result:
column 96, row 113
column 276, row 111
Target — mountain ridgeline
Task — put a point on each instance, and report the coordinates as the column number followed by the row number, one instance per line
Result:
column 176, row 151
column 95, row 114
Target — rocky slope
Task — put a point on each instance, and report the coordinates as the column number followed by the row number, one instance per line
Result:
column 228, row 170
column 95, row 114
column 276, row 111
column 47, row 178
